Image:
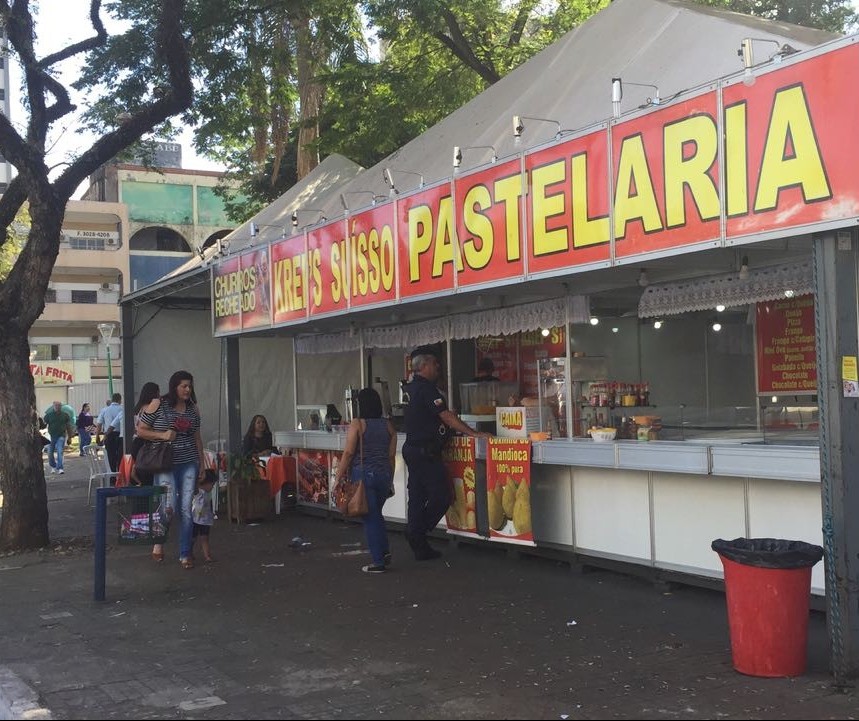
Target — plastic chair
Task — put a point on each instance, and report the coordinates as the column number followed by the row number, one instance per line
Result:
column 97, row 474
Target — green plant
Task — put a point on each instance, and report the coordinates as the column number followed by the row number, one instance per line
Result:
column 244, row 468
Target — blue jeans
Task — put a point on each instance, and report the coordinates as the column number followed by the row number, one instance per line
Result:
column 181, row 483
column 378, row 488
column 56, row 446
column 84, row 439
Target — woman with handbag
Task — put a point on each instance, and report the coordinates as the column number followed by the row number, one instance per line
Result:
column 369, row 455
column 176, row 419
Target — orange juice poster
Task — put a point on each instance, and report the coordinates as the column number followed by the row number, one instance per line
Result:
column 508, row 487
column 458, row 458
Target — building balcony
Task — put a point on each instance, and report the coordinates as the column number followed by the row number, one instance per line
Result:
column 80, row 313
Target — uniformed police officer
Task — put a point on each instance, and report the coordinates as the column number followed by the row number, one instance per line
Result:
column 428, row 424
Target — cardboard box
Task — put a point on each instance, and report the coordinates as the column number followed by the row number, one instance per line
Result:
column 516, row 421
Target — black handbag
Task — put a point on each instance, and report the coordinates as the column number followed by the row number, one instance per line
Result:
column 155, row 457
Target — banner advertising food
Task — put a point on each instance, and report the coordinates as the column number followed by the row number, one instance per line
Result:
column 57, row 373
column 508, row 489
column 568, row 208
column 289, row 279
column 785, row 343
column 666, row 177
column 488, row 224
column 372, row 257
column 458, row 457
column 226, row 297
column 791, row 146
column 327, row 271
column 788, row 166
column 313, row 477
column 427, row 253
column 256, row 305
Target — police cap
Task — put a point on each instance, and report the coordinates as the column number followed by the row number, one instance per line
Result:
column 423, row 350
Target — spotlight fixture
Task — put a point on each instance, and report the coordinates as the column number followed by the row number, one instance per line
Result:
column 373, row 197
column 657, row 324
column 746, row 53
column 789, row 293
column 594, row 320
column 615, row 329
column 720, row 308
column 744, row 268
column 519, row 126
column 643, row 280
column 457, row 153
column 388, row 175
column 545, row 332
column 774, row 399
column 294, row 216
column 617, row 94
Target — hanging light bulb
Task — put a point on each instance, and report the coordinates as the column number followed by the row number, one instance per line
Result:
column 595, row 320
column 720, row 308
column 788, row 293
column 545, row 332
column 657, row 324
column 615, row 329
column 717, row 326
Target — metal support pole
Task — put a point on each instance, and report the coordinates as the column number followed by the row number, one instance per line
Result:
column 100, row 541
column 233, row 395
column 109, row 371
column 836, row 261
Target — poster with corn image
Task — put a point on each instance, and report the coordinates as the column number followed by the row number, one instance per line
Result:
column 461, row 516
column 508, row 487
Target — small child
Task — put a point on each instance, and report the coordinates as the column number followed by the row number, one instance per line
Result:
column 201, row 511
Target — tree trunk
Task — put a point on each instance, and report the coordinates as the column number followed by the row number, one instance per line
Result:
column 311, row 93
column 24, row 521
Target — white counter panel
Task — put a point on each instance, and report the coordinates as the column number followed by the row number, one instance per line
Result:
column 775, row 507
column 551, row 504
column 762, row 461
column 689, row 513
column 611, row 512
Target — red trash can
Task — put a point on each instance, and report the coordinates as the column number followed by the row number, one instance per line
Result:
column 767, row 588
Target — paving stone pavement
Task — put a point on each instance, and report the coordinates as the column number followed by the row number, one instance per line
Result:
column 271, row 632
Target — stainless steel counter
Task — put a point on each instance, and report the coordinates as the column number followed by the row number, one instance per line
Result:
column 740, row 456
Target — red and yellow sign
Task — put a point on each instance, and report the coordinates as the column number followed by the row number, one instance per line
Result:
column 650, row 184
column 54, row 373
column 787, row 361
column 372, row 257
column 508, row 489
column 459, row 459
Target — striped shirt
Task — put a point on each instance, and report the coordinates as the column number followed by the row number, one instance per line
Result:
column 185, row 424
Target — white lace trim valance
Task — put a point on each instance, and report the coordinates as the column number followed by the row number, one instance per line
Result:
column 728, row 289
column 498, row 321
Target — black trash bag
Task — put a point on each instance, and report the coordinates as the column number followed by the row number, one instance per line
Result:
column 768, row 552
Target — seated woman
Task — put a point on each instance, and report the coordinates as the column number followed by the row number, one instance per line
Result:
column 258, row 440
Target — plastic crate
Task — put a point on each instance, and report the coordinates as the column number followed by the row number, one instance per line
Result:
column 143, row 519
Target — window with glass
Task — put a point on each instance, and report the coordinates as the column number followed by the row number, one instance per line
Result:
column 84, row 296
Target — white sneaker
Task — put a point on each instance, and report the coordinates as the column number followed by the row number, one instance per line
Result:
column 61, row 471
column 53, row 471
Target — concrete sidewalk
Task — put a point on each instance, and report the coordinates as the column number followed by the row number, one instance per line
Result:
column 271, row 632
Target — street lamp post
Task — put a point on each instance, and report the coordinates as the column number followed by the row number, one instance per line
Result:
column 106, row 330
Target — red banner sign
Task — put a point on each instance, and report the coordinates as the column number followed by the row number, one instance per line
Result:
column 508, row 488
column 313, row 477
column 787, row 362
column 459, row 459
column 788, row 166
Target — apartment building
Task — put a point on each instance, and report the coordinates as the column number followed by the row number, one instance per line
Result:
column 133, row 226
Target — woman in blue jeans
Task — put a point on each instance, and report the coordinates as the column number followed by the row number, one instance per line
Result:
column 370, row 453
column 174, row 417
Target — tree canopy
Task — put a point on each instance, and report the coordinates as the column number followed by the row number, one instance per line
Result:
column 281, row 83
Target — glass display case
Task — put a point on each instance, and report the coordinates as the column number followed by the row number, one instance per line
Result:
column 552, row 395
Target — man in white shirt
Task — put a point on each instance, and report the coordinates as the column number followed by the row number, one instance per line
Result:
column 109, row 423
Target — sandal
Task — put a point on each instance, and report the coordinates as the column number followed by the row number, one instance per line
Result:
column 158, row 556
column 186, row 563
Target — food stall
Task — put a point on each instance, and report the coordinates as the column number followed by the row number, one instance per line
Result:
column 456, row 263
